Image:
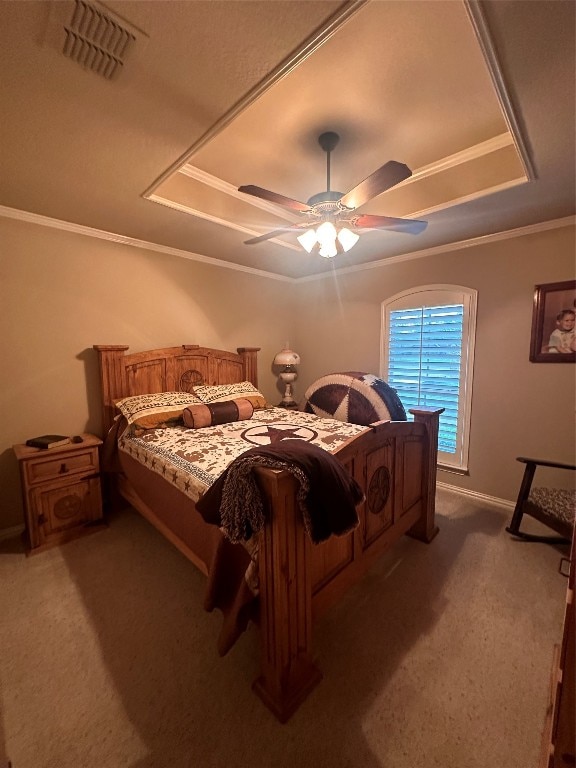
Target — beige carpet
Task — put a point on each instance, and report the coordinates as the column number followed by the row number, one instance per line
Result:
column 440, row 657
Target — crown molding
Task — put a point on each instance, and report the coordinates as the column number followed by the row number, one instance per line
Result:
column 444, row 164
column 215, row 182
column 458, row 158
column 450, row 161
column 484, row 37
column 80, row 229
column 478, row 195
column 217, row 220
column 458, row 245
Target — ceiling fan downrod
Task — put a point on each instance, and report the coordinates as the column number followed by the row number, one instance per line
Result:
column 326, row 202
column 328, row 142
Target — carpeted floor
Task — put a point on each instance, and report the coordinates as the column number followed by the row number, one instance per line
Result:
column 441, row 656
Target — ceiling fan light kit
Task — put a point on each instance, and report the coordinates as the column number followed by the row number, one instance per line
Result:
column 327, row 238
column 331, row 214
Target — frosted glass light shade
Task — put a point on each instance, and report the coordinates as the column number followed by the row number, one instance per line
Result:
column 329, row 251
column 326, row 234
column 347, row 238
column 307, row 240
column 287, row 357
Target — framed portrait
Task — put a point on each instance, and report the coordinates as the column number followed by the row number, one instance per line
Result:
column 553, row 337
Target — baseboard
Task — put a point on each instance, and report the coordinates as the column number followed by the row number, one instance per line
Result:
column 482, row 497
column 9, row 533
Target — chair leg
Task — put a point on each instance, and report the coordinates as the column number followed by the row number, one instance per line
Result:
column 514, row 527
column 535, row 537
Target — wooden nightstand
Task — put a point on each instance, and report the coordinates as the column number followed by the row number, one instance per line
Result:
column 61, row 492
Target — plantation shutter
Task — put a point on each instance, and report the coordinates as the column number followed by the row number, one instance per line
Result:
column 427, row 345
column 424, row 362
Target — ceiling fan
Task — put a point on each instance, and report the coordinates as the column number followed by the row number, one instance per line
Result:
column 331, row 216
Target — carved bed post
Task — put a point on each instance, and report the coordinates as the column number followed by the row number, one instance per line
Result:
column 288, row 673
column 250, row 357
column 426, row 528
column 112, row 379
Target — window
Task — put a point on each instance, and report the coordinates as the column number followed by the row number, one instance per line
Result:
column 427, row 356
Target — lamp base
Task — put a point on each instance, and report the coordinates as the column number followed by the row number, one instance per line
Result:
column 290, row 404
column 288, row 398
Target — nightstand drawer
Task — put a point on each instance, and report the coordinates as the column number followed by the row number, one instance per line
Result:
column 42, row 469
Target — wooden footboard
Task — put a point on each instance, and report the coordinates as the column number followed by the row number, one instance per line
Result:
column 395, row 462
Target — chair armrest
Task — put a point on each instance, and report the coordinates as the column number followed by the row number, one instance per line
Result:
column 544, row 463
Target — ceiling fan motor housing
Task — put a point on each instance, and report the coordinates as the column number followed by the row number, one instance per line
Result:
column 326, row 202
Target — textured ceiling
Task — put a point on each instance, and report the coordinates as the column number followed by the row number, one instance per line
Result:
column 478, row 99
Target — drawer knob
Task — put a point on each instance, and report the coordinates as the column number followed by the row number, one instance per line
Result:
column 63, row 468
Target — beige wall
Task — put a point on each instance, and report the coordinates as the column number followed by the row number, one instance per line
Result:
column 519, row 408
column 60, row 293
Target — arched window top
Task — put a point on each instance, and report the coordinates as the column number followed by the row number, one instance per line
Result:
column 429, row 295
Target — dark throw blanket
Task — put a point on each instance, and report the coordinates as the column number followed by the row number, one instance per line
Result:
column 327, row 494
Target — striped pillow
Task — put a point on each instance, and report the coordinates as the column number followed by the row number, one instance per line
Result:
column 161, row 409
column 210, row 415
column 219, row 393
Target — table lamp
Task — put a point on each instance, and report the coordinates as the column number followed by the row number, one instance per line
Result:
column 288, row 360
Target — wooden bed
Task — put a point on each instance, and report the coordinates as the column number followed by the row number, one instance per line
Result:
column 394, row 462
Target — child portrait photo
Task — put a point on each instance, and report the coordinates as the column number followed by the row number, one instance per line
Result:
column 554, row 323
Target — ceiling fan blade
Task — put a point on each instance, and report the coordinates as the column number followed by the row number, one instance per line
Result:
column 273, row 197
column 269, row 235
column 384, row 178
column 410, row 226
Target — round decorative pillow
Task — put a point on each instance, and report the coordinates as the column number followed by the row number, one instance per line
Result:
column 359, row 398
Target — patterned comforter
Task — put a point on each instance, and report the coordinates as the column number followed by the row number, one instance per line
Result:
column 192, row 459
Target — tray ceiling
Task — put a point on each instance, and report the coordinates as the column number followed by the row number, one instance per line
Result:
column 212, row 96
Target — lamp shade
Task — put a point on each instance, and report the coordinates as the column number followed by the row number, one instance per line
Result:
column 287, row 357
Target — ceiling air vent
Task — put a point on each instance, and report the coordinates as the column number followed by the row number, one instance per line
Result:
column 97, row 41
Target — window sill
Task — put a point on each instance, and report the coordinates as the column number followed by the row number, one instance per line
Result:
column 452, row 470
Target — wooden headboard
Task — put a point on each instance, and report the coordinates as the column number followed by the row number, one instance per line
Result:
column 173, row 369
